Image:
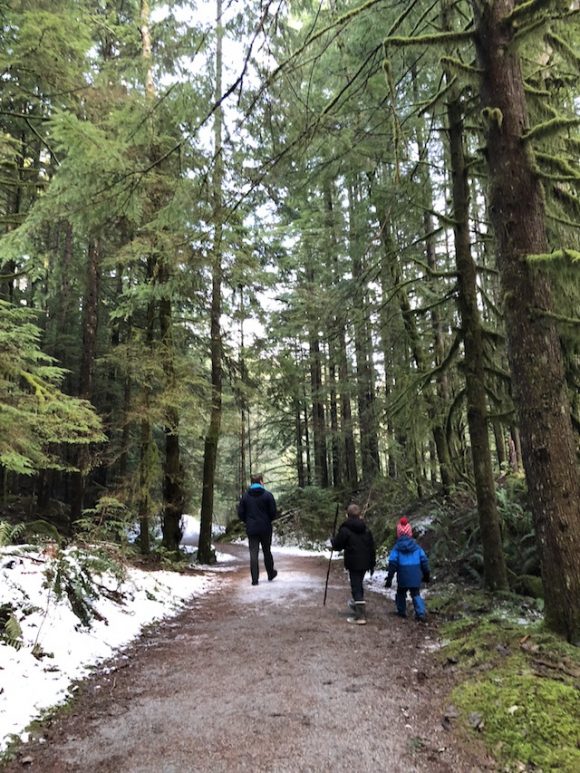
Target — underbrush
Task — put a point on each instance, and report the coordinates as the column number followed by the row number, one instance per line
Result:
column 518, row 689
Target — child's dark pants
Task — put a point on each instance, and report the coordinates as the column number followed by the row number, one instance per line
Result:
column 418, row 603
column 356, row 584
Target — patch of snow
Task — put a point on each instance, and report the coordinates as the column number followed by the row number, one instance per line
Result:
column 56, row 648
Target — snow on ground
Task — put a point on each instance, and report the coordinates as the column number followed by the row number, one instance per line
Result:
column 55, row 647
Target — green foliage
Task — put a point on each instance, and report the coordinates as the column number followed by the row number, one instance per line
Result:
column 307, row 514
column 9, row 533
column 35, row 415
column 456, row 541
column 109, row 520
column 74, row 575
column 10, row 630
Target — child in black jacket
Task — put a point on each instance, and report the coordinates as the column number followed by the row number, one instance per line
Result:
column 356, row 539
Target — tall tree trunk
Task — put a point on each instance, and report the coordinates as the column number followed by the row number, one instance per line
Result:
column 337, row 464
column 364, row 367
column 307, row 440
column 205, row 552
column 90, row 321
column 534, row 351
column 173, row 495
column 494, row 568
column 146, row 448
column 318, row 412
column 339, row 358
column 243, row 400
column 299, row 445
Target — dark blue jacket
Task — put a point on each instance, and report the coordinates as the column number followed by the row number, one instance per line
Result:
column 356, row 539
column 409, row 562
column 257, row 509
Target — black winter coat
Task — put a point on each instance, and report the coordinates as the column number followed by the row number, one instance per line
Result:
column 356, row 539
column 257, row 509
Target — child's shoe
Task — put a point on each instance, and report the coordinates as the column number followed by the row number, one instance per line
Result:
column 360, row 617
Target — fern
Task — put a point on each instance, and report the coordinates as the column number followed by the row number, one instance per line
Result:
column 13, row 632
column 9, row 534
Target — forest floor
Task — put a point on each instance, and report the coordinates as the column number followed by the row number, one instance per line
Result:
column 265, row 678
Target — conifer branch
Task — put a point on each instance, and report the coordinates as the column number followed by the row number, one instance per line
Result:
column 438, row 97
column 523, row 32
column 456, row 65
column 549, row 128
column 562, row 220
column 428, row 40
column 562, row 47
column 560, row 164
column 564, row 254
column 525, row 10
column 558, row 317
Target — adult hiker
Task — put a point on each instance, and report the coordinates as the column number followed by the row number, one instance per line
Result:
column 410, row 563
column 357, row 541
column 257, row 509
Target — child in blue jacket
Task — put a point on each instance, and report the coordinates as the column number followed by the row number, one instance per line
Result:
column 410, row 563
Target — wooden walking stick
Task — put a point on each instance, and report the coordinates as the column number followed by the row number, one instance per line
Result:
column 330, row 559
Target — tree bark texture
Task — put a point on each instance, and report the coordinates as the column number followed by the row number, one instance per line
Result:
column 535, row 356
column 205, row 552
column 90, row 322
column 494, row 568
column 173, row 496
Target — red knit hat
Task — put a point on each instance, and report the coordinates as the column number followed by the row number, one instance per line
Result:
column 404, row 528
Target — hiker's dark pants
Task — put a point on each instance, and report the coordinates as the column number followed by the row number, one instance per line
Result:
column 265, row 540
column 356, row 584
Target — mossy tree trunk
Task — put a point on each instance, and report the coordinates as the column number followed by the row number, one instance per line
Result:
column 534, row 351
column 494, row 568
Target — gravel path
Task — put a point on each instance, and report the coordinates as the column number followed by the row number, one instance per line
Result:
column 263, row 679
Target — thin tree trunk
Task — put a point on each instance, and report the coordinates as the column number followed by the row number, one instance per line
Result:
column 337, row 465
column 205, row 552
column 90, row 322
column 318, row 413
column 339, row 359
column 364, row 369
column 173, row 494
column 534, row 351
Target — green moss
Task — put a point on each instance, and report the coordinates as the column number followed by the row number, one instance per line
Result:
column 519, row 681
column 526, row 719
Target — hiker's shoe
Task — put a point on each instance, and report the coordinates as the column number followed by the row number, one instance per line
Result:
column 273, row 575
column 254, row 582
column 360, row 616
column 421, row 618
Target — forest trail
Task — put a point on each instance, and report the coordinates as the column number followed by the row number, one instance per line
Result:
column 263, row 678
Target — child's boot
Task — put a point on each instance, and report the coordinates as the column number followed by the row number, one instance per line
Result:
column 360, row 616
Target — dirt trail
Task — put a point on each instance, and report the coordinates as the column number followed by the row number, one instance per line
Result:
column 263, row 679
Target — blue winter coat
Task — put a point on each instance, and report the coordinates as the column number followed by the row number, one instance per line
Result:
column 409, row 562
column 257, row 509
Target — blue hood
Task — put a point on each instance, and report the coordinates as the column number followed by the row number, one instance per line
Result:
column 406, row 545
